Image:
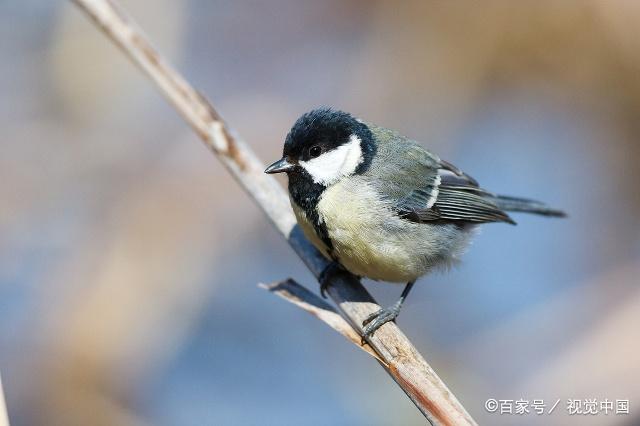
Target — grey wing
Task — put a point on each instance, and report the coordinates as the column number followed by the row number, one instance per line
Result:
column 452, row 196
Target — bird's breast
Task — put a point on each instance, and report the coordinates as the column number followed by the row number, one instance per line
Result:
column 368, row 238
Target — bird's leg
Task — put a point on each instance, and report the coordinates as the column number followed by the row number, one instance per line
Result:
column 327, row 274
column 383, row 316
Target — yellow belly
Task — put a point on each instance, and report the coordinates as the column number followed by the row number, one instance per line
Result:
column 362, row 240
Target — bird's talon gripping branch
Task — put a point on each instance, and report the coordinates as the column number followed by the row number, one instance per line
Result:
column 377, row 319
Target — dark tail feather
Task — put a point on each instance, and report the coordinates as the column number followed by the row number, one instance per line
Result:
column 514, row 204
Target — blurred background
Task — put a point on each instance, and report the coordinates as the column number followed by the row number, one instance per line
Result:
column 129, row 258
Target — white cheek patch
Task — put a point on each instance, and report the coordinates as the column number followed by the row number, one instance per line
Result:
column 335, row 164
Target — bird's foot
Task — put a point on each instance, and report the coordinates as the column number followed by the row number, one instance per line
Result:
column 377, row 319
column 334, row 268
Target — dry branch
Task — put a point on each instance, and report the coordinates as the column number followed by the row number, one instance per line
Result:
column 398, row 356
column 294, row 293
column 4, row 417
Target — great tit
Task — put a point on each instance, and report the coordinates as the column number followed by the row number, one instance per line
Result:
column 379, row 205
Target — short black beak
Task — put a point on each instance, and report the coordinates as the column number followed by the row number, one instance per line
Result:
column 279, row 166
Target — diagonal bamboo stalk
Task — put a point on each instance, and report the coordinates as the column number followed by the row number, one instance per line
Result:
column 398, row 356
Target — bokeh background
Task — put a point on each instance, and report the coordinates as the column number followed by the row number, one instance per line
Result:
column 129, row 258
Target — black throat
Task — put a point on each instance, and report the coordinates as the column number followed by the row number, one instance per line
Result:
column 306, row 194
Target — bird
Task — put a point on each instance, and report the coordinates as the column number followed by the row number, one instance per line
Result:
column 379, row 205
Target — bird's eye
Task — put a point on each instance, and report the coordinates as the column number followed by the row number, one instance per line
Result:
column 315, row 151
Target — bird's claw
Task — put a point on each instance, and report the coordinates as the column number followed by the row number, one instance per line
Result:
column 377, row 319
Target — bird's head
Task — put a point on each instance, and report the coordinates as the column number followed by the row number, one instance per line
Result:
column 326, row 145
